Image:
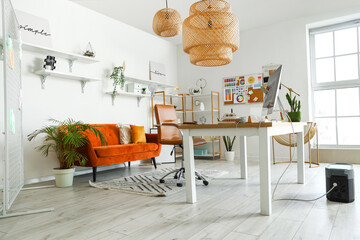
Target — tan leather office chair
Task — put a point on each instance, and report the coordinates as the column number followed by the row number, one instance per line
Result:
column 169, row 134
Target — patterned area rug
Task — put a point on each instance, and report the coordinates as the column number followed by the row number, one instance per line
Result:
column 148, row 183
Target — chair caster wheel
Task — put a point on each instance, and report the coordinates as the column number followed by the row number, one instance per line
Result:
column 205, row 183
column 162, row 181
column 179, row 184
column 175, row 177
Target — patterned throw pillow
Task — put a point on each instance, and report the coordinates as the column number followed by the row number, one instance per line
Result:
column 125, row 133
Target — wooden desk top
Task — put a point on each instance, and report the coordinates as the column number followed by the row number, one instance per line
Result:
column 240, row 125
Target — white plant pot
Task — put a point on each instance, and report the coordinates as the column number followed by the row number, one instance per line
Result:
column 230, row 156
column 64, row 177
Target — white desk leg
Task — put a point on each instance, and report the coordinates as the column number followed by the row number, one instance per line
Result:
column 265, row 172
column 189, row 164
column 243, row 157
column 300, row 157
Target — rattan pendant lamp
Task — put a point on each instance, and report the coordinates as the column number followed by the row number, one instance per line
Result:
column 210, row 33
column 167, row 22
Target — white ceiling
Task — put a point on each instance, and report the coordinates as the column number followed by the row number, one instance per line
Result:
column 251, row 13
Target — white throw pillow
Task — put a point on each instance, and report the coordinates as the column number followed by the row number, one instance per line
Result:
column 125, row 133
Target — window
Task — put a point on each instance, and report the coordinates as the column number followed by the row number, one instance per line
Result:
column 335, row 73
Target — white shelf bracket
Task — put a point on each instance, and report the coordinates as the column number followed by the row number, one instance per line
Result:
column 83, row 84
column 43, row 79
column 139, row 100
column 113, row 99
column 71, row 63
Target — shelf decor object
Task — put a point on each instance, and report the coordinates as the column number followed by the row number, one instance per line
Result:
column 49, row 63
column 118, row 77
column 210, row 33
column 89, row 52
column 44, row 73
column 167, row 22
column 151, row 85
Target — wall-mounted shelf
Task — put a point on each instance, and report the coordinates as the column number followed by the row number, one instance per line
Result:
column 160, row 84
column 83, row 79
column 71, row 57
column 129, row 94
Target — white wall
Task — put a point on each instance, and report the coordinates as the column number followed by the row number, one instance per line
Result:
column 284, row 43
column 72, row 27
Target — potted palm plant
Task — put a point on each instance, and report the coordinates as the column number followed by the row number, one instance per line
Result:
column 229, row 154
column 295, row 106
column 65, row 138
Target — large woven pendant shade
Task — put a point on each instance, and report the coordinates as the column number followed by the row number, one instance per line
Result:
column 210, row 33
column 167, row 22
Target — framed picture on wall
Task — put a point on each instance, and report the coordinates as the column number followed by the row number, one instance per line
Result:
column 34, row 29
column 157, row 72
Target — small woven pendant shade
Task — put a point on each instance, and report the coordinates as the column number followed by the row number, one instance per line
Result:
column 167, row 22
column 210, row 33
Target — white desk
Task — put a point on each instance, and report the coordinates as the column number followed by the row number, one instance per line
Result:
column 265, row 131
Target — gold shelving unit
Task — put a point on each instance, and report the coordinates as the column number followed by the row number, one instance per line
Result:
column 212, row 107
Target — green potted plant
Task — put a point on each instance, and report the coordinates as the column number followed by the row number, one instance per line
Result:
column 295, row 105
column 229, row 154
column 143, row 90
column 65, row 138
column 118, row 77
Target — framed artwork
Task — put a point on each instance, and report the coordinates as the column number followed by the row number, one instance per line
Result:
column 34, row 29
column 157, row 72
column 243, row 89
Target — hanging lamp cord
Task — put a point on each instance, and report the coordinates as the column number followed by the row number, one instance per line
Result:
column 167, row 11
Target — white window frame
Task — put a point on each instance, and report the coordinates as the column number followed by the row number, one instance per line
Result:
column 336, row 84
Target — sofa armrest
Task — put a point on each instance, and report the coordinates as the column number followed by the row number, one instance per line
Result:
column 89, row 152
column 151, row 138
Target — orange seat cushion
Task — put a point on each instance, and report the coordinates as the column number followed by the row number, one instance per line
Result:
column 110, row 132
column 118, row 150
column 138, row 134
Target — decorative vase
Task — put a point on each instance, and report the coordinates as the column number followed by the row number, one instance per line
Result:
column 295, row 116
column 202, row 106
column 230, row 156
column 64, row 177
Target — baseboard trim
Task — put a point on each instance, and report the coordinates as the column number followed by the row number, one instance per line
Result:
column 78, row 171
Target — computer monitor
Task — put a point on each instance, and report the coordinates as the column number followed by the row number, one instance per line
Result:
column 273, row 86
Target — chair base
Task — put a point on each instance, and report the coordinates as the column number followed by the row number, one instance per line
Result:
column 180, row 173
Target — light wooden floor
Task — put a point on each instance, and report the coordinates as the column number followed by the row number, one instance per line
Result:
column 226, row 209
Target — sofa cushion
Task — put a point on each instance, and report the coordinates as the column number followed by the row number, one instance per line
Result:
column 117, row 150
column 110, row 132
column 125, row 133
column 138, row 134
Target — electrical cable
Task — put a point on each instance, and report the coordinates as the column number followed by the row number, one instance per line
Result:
column 281, row 176
column 283, row 173
column 307, row 200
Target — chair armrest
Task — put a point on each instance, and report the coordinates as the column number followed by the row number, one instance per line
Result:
column 170, row 125
column 151, row 138
column 167, row 124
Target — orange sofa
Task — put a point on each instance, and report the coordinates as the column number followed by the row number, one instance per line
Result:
column 114, row 152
